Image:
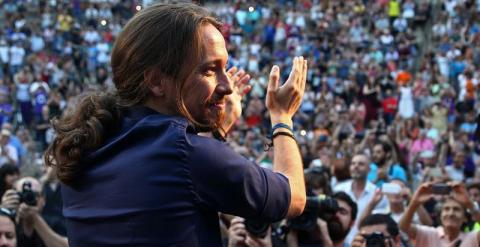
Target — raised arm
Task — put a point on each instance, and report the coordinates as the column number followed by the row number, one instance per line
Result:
column 282, row 103
column 423, row 194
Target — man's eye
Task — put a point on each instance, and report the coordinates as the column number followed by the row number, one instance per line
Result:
column 209, row 71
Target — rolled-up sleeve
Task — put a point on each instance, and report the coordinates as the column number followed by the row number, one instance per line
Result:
column 225, row 181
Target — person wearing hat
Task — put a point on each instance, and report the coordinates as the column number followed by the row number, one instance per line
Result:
column 8, row 153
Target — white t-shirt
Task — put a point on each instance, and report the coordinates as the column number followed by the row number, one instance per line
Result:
column 16, row 55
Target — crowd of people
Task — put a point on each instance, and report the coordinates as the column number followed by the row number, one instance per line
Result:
column 387, row 114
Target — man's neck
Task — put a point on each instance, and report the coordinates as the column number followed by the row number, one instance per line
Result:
column 358, row 186
column 451, row 233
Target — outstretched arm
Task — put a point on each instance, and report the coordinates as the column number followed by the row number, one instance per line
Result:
column 282, row 103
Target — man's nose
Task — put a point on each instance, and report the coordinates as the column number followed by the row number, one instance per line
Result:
column 225, row 84
column 3, row 240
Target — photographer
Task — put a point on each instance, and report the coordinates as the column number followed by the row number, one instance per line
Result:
column 27, row 201
column 452, row 215
column 238, row 235
column 378, row 230
column 330, row 230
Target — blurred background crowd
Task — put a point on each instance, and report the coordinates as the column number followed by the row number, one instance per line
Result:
column 394, row 80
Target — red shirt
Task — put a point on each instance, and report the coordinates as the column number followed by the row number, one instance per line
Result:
column 390, row 105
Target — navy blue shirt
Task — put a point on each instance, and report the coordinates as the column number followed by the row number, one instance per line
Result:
column 157, row 183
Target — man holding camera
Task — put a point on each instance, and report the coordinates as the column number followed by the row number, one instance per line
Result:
column 27, row 201
column 378, row 230
column 331, row 228
column 452, row 216
column 238, row 235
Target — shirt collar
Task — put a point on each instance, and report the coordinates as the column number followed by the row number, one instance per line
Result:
column 442, row 235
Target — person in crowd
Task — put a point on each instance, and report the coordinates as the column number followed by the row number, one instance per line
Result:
column 383, row 167
column 238, row 235
column 452, row 216
column 397, row 201
column 398, row 197
column 178, row 90
column 359, row 189
column 27, row 200
column 8, row 176
column 8, row 153
column 8, row 232
column 330, row 232
column 378, row 228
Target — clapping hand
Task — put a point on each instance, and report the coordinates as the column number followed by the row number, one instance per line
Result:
column 241, row 88
column 283, row 101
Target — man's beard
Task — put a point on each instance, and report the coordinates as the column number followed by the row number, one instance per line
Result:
column 213, row 121
column 336, row 231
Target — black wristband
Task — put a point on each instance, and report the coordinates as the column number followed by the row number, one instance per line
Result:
column 279, row 133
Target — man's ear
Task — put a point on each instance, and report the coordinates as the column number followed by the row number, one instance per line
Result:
column 155, row 81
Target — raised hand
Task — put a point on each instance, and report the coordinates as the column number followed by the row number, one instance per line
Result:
column 423, row 194
column 460, row 194
column 241, row 87
column 10, row 200
column 377, row 197
column 284, row 101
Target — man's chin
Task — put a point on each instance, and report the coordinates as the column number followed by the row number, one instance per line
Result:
column 210, row 123
column 336, row 231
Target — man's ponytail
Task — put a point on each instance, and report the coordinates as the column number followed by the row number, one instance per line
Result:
column 80, row 131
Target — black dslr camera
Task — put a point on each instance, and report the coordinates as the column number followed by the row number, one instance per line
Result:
column 27, row 195
column 320, row 206
column 258, row 228
column 376, row 239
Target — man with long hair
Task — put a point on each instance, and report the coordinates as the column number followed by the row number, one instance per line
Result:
column 133, row 169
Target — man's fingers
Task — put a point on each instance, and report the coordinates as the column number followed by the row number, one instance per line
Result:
column 232, row 71
column 246, row 90
column 304, row 74
column 244, row 79
column 11, row 192
column 274, row 78
column 240, row 73
column 300, row 77
column 294, row 73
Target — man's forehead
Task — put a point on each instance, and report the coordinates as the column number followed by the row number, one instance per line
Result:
column 344, row 205
column 452, row 203
column 213, row 45
column 360, row 159
column 211, row 35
